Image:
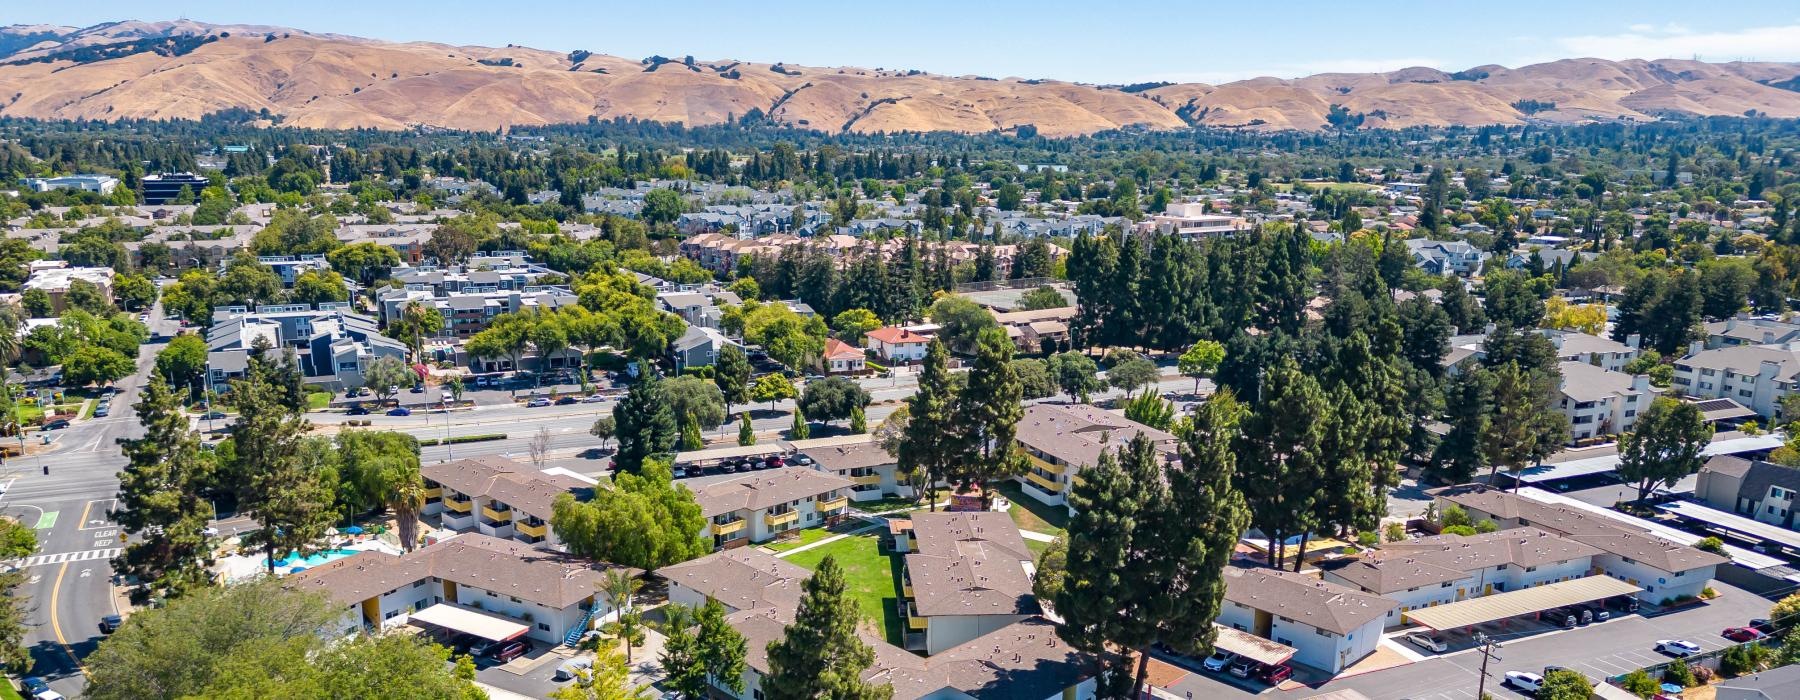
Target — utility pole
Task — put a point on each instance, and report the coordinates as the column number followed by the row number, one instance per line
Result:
column 1488, row 645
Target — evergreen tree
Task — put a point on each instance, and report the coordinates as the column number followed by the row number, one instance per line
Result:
column 162, row 508
column 1526, row 425
column 722, row 648
column 746, row 433
column 819, row 655
column 1113, row 595
column 284, row 488
column 732, row 373
column 925, row 445
column 690, row 433
column 1426, row 327
column 1207, row 515
column 1279, row 455
column 1469, row 396
column 645, row 424
column 1466, row 314
column 1282, row 286
column 987, row 408
column 800, row 430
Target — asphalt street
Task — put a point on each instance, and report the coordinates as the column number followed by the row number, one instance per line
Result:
column 69, row 580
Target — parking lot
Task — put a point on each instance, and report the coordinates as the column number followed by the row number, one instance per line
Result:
column 1599, row 650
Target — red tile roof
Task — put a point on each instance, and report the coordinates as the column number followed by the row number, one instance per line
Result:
column 893, row 335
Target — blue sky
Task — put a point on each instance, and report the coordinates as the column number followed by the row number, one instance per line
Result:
column 1112, row 42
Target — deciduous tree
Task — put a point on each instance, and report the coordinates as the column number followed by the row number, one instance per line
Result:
column 1664, row 445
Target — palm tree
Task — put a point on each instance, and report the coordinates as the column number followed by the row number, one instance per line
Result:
column 408, row 500
column 620, row 587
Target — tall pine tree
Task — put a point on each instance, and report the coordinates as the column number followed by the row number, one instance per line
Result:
column 819, row 655
column 161, row 506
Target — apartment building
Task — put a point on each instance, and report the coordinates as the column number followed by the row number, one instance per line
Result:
column 1742, row 329
column 1439, row 570
column 757, row 507
column 1755, row 489
column 967, row 574
column 1192, row 221
column 1605, row 353
column 1600, row 402
column 1062, row 439
column 1025, row 659
column 872, row 472
column 1756, row 376
column 1663, row 569
column 498, row 497
column 1329, row 626
column 333, row 345
column 54, row 277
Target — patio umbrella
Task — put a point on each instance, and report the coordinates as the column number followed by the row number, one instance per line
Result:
column 296, row 569
column 353, row 530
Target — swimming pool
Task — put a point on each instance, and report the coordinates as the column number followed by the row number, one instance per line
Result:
column 317, row 558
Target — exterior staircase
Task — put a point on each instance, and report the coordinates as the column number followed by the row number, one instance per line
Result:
column 580, row 628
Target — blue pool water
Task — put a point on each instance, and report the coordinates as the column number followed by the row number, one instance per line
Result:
column 316, row 559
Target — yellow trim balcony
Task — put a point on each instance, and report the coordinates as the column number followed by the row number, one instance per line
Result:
column 532, row 530
column 1045, row 464
column 870, row 480
column 459, row 506
column 1046, row 483
column 779, row 519
column 434, row 492
column 729, row 527
column 833, row 504
column 499, row 516
column 913, row 621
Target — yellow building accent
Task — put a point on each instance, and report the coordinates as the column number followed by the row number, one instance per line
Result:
column 371, row 610
column 450, row 591
column 833, row 504
column 906, row 589
column 1046, row 483
column 1044, row 464
column 777, row 520
column 916, row 622
column 870, row 480
column 532, row 530
column 434, row 492
column 496, row 515
column 459, row 506
column 730, row 527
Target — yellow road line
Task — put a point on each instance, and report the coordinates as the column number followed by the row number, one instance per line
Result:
column 55, row 625
column 84, row 514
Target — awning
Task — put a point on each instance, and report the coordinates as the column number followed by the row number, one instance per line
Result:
column 1733, row 522
column 1526, row 601
column 1251, row 646
column 466, row 620
column 729, row 452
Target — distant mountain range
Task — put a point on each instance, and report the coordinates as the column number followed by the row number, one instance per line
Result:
column 183, row 69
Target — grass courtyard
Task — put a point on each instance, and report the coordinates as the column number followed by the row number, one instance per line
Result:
column 869, row 576
column 1030, row 514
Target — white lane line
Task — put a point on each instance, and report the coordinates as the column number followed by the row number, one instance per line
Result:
column 61, row 557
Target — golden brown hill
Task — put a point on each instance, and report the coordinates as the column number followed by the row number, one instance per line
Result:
column 329, row 81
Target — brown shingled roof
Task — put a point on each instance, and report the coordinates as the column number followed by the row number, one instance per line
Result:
column 518, row 485
column 503, row 566
column 1308, row 600
column 761, row 490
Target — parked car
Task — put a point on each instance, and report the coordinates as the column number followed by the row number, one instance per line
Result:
column 592, row 398
column 1561, row 617
column 760, row 464
column 1598, row 611
column 1430, row 641
column 1677, row 647
column 57, row 424
column 1273, row 675
column 1524, row 681
column 212, row 415
column 1218, row 661
column 509, row 650
column 803, row 460
column 463, row 642
column 103, row 411
column 567, row 400
column 1623, row 603
column 362, row 391
column 1762, row 625
column 775, row 461
column 1742, row 634
column 357, row 409
column 1582, row 615
column 568, row 669
column 110, row 623
column 399, row 411
column 418, row 388
column 34, row 687
column 538, row 402
column 1242, row 667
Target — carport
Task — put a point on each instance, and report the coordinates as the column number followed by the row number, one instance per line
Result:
column 469, row 621
column 716, row 455
column 1500, row 606
column 1252, row 647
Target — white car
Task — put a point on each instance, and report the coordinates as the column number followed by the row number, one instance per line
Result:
column 592, row 398
column 1524, row 680
column 1428, row 641
column 1677, row 647
column 1218, row 661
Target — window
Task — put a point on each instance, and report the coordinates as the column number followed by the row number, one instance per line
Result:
column 1321, row 632
column 1285, row 642
column 1530, row 569
column 543, row 626
column 418, row 583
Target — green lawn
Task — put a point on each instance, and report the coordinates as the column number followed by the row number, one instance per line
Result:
column 7, row 692
column 87, row 409
column 805, row 537
column 29, row 412
column 316, row 400
column 1030, row 514
column 1037, row 547
column 870, row 576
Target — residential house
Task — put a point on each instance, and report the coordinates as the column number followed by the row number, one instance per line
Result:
column 1600, row 402
column 1039, row 331
column 1062, row 439
column 1663, row 569
column 1330, row 626
column 896, row 345
column 54, row 277
column 871, row 471
column 1434, row 571
column 1446, row 257
column 844, row 358
column 698, row 346
column 1773, row 684
column 759, row 506
column 498, row 497
column 1605, row 353
column 967, row 574
column 1744, row 330
column 549, row 593
column 1192, row 221
column 1755, row 489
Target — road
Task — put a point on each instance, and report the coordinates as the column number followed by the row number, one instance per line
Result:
column 69, row 581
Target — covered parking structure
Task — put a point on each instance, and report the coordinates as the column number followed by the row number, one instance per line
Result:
column 720, row 455
column 460, row 619
column 1252, row 647
column 1527, row 601
column 1733, row 524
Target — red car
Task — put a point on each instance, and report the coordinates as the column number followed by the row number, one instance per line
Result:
column 509, row 651
column 1742, row 634
column 1273, row 675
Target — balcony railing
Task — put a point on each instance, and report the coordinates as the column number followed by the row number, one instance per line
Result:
column 870, row 480
column 833, row 504
column 434, row 492
column 532, row 530
column 499, row 516
column 459, row 506
column 730, row 527
column 779, row 519
column 1044, row 482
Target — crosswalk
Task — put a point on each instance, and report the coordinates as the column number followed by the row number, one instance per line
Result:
column 61, row 557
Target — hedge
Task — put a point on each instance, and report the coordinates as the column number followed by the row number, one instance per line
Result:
column 460, row 439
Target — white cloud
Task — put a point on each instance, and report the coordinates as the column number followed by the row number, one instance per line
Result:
column 1774, row 43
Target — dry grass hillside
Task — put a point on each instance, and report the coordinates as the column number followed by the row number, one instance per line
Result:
column 185, row 69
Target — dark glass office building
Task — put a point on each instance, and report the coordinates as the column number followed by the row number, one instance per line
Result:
column 164, row 188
